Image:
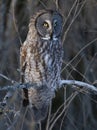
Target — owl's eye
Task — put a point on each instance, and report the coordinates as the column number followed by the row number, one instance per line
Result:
column 46, row 25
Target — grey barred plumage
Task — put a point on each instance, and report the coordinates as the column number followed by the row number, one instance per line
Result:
column 41, row 60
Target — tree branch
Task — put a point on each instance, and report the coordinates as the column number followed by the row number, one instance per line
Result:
column 74, row 83
column 17, row 86
column 79, row 84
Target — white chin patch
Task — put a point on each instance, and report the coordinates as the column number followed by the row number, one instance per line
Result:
column 45, row 38
column 48, row 38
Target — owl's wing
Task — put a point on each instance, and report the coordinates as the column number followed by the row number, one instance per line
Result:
column 23, row 54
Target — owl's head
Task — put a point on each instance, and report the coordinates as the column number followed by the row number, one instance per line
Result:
column 49, row 25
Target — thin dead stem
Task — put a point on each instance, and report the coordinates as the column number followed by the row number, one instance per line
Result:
column 49, row 115
column 75, row 84
column 14, row 21
column 56, row 3
column 41, row 2
column 72, row 21
column 23, row 118
column 64, row 104
column 67, row 105
column 74, row 69
column 8, row 79
column 73, row 6
column 88, row 44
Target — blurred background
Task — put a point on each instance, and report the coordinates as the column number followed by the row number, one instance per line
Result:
column 79, row 109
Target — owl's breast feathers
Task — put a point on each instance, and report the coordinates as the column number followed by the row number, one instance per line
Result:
column 41, row 62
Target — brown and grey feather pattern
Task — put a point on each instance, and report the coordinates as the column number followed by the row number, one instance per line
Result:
column 41, row 60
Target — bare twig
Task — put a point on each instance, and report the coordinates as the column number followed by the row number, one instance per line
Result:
column 73, row 83
column 42, row 3
column 5, row 77
column 68, row 103
column 56, row 3
column 78, row 84
column 17, row 86
column 73, row 6
column 14, row 22
column 49, row 114
column 72, row 21
column 82, row 49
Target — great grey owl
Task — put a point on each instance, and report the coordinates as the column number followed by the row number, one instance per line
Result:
column 41, row 60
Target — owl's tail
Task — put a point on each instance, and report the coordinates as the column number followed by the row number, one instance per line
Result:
column 39, row 114
column 39, row 101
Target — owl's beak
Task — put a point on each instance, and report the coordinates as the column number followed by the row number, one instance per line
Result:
column 47, row 37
